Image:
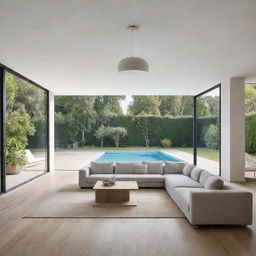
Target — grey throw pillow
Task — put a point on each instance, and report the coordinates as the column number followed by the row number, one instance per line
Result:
column 195, row 173
column 125, row 168
column 214, row 182
column 204, row 176
column 154, row 167
column 102, row 168
column 140, row 169
column 173, row 167
column 187, row 169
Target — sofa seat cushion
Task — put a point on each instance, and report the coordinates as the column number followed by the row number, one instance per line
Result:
column 129, row 177
column 99, row 168
column 180, row 180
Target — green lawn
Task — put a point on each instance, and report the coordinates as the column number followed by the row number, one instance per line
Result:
column 210, row 154
column 253, row 156
column 108, row 148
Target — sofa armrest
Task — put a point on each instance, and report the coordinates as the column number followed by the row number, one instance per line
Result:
column 83, row 174
column 232, row 207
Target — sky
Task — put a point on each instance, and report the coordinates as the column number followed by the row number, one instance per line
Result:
column 125, row 103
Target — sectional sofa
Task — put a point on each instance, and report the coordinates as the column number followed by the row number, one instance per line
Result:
column 202, row 197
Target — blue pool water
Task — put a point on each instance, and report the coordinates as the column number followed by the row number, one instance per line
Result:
column 135, row 156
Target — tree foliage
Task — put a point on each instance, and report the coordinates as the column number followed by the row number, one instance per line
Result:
column 141, row 122
column 211, row 137
column 19, row 123
column 101, row 133
column 145, row 105
column 145, row 109
column 107, row 106
column 79, row 113
column 202, row 108
column 18, row 127
column 250, row 99
column 176, row 105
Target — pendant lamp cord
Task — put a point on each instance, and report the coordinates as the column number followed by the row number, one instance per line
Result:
column 132, row 41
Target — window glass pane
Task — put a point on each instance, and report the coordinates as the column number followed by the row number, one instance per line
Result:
column 88, row 126
column 208, row 133
column 26, row 131
column 250, row 131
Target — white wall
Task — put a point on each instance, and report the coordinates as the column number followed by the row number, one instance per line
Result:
column 51, row 131
column 232, row 129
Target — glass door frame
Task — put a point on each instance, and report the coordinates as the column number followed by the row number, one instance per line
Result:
column 218, row 86
column 3, row 70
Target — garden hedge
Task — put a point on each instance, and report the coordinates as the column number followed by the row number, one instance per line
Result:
column 250, row 133
column 179, row 130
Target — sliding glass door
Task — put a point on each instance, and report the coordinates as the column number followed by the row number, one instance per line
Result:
column 25, row 130
column 207, row 129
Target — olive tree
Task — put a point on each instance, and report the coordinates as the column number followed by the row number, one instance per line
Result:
column 116, row 133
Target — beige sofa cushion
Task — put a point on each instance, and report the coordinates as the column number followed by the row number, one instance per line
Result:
column 195, row 173
column 154, row 167
column 204, row 176
column 125, row 168
column 140, row 169
column 102, row 168
column 213, row 182
column 180, row 180
column 173, row 167
column 187, row 169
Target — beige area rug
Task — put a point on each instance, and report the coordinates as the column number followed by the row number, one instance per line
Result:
column 73, row 202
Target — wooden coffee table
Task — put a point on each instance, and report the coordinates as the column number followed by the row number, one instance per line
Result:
column 118, row 194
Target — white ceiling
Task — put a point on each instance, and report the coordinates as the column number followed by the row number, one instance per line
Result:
column 73, row 47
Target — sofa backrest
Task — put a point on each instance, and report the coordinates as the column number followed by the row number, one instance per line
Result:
column 126, row 168
column 102, row 168
column 173, row 167
column 154, row 167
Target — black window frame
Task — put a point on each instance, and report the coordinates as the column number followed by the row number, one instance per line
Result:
column 218, row 86
column 3, row 70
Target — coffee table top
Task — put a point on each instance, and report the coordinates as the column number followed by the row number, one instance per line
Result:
column 126, row 185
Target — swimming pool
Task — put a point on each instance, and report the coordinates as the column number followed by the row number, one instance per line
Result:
column 136, row 156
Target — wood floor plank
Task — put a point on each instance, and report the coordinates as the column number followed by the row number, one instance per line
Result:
column 103, row 237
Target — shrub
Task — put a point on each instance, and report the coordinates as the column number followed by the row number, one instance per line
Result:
column 250, row 133
column 211, row 137
column 166, row 143
column 18, row 127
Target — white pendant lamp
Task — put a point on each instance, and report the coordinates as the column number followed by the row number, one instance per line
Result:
column 132, row 63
